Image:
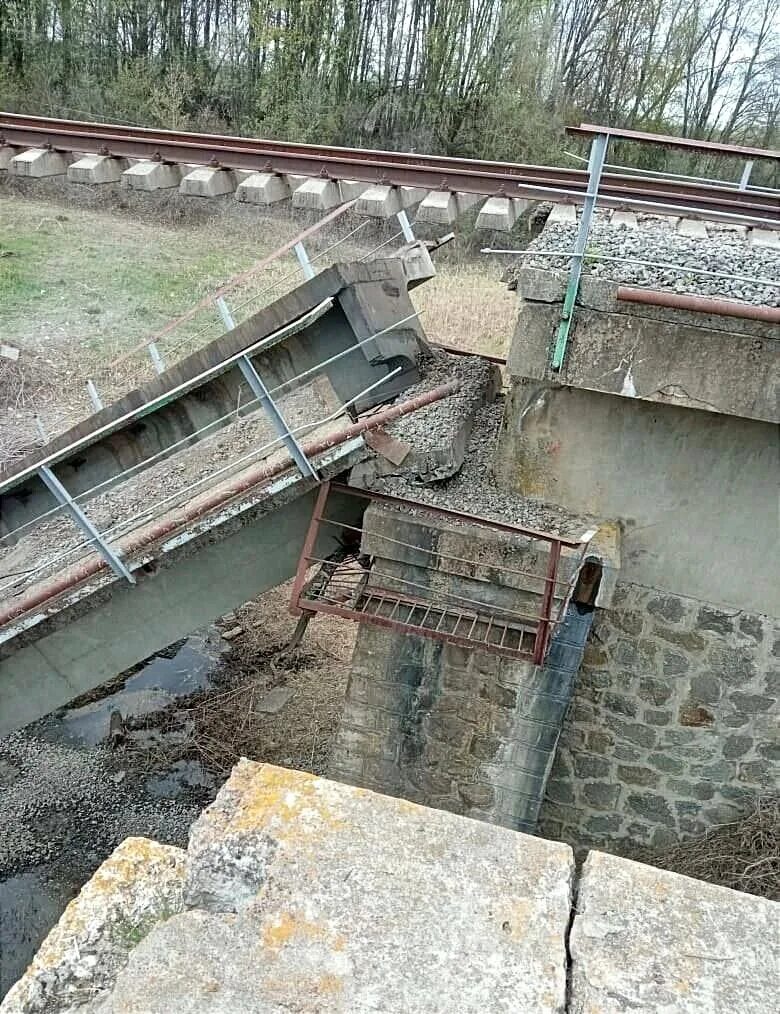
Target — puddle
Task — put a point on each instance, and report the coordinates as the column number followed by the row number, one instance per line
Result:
column 158, row 683
column 30, row 904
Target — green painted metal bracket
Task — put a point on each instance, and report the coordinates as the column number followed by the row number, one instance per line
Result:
column 598, row 154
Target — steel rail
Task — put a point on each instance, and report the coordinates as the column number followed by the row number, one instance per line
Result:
column 433, row 172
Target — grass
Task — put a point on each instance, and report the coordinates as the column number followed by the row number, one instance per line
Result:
column 82, row 286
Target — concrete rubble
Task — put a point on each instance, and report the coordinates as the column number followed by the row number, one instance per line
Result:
column 298, row 893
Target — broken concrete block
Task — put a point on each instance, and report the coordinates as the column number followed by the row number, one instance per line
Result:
column 206, row 181
column 692, row 228
column 152, row 176
column 317, row 195
column 9, row 352
column 139, row 884
column 97, row 169
column 38, row 163
column 651, row 940
column 562, row 214
column 307, row 888
column 232, row 634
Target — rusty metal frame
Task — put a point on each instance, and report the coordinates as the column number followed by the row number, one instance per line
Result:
column 469, row 623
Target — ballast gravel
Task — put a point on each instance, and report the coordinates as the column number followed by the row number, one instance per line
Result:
column 656, row 239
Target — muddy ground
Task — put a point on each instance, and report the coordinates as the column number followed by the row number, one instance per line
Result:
column 70, row 792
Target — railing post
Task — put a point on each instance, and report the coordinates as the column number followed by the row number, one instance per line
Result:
column 269, row 406
column 157, row 359
column 303, row 260
column 745, row 178
column 64, row 498
column 545, row 614
column 308, row 548
column 406, row 227
column 598, row 152
column 94, row 397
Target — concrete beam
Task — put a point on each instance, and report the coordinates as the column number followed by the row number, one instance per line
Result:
column 206, row 181
column 38, row 163
column 152, row 176
column 93, row 169
column 500, row 213
column 101, row 632
column 443, row 207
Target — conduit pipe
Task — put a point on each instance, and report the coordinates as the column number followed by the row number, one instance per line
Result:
column 699, row 304
column 198, row 507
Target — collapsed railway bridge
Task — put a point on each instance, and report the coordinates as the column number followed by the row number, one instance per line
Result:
column 566, row 594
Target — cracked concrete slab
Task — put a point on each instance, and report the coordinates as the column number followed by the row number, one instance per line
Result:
column 648, row 940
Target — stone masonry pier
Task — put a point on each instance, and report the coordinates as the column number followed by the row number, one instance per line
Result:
column 297, row 893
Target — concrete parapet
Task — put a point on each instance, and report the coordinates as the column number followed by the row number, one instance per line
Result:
column 713, row 363
column 500, row 213
column 442, row 207
column 152, row 176
column 38, row 163
column 206, row 181
column 317, row 195
column 94, row 169
column 648, row 940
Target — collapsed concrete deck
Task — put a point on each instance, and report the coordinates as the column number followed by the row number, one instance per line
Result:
column 297, row 893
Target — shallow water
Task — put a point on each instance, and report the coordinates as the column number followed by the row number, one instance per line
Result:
column 32, row 902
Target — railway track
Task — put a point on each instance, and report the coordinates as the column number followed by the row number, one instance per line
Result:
column 750, row 206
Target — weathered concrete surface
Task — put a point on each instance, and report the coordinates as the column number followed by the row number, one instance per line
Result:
column 39, row 162
column 139, row 885
column 153, row 176
column 442, row 207
column 314, row 896
column 647, row 940
column 696, row 491
column 500, row 213
column 703, row 361
column 93, row 169
column 206, row 181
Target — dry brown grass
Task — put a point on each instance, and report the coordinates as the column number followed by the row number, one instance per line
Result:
column 220, row 726
column 743, row 855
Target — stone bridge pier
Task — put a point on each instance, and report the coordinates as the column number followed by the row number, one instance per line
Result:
column 458, row 728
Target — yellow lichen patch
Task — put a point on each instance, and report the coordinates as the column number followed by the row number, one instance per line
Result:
column 329, row 984
column 292, row 805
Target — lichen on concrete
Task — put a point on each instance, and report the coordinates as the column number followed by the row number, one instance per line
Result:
column 361, row 903
column 137, row 887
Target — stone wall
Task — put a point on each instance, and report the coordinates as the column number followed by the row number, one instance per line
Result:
column 455, row 728
column 673, row 723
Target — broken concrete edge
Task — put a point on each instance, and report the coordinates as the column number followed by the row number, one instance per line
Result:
column 139, row 885
column 542, row 285
column 261, row 868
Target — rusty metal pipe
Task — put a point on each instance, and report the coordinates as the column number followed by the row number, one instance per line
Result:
column 198, row 507
column 699, row 304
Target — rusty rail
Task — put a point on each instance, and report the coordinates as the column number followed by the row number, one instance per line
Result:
column 433, row 172
column 699, row 304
